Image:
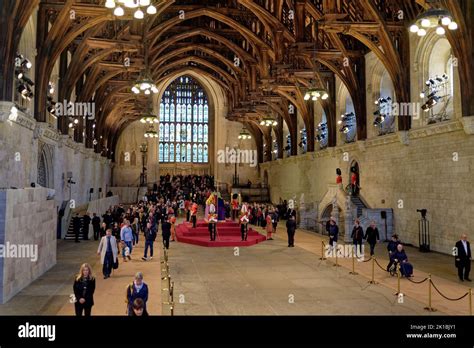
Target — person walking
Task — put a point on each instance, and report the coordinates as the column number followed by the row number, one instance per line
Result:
column 76, row 226
column 269, row 226
column 290, row 230
column 135, row 230
column 372, row 236
column 108, row 252
column 333, row 233
column 463, row 258
column 275, row 219
column 166, row 233
column 102, row 230
column 357, row 237
column 96, row 225
column 84, row 287
column 150, row 236
column 137, row 289
column 139, row 308
column 392, row 248
column 126, row 236
column 86, row 221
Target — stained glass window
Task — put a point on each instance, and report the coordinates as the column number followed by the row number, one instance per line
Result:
column 184, row 129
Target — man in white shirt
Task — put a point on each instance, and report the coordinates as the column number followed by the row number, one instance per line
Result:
column 463, row 257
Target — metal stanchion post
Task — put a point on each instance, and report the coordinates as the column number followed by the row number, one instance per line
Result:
column 429, row 308
column 322, row 251
column 470, row 301
column 398, row 280
column 372, row 281
column 353, row 265
column 337, row 263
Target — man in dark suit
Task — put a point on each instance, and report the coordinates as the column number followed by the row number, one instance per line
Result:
column 96, row 225
column 86, row 220
column 290, row 230
column 463, row 257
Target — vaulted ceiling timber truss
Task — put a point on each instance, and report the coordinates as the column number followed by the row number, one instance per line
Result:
column 281, row 46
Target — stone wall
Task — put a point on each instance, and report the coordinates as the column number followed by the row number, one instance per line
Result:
column 222, row 133
column 429, row 167
column 128, row 194
column 22, row 143
column 27, row 219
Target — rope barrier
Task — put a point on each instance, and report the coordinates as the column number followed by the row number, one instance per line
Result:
column 430, row 283
column 167, row 276
column 378, row 264
column 446, row 297
column 420, row 282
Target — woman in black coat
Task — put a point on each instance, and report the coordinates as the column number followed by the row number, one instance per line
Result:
column 84, row 287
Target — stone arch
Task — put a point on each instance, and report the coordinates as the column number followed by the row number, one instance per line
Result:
column 326, row 215
column 434, row 56
column 356, row 165
column 345, row 104
column 45, row 166
column 133, row 159
column 380, row 85
column 265, row 178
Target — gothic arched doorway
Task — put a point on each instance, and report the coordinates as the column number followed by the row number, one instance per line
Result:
column 326, row 215
column 45, row 166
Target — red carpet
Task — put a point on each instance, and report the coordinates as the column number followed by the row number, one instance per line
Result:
column 228, row 235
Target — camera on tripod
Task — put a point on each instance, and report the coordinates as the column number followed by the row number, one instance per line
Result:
column 423, row 212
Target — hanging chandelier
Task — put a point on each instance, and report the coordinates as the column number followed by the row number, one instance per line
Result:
column 433, row 18
column 316, row 93
column 145, row 83
column 244, row 134
column 139, row 7
column 268, row 121
column 151, row 133
column 149, row 118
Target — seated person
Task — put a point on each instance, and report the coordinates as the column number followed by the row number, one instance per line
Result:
column 400, row 257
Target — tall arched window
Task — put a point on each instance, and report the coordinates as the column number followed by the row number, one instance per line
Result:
column 184, row 117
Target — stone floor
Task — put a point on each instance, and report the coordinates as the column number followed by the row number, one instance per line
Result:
column 264, row 279
column 49, row 295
